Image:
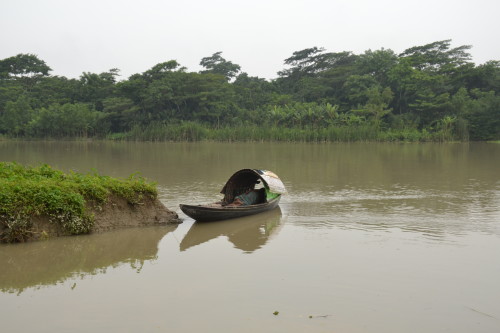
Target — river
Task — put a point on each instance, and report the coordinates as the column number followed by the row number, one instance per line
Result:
column 370, row 238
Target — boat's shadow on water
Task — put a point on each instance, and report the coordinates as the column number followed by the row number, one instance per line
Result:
column 246, row 233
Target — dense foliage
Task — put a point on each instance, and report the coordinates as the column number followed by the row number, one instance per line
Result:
column 27, row 192
column 429, row 92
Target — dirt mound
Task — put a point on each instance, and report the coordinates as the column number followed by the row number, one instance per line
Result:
column 115, row 213
column 118, row 213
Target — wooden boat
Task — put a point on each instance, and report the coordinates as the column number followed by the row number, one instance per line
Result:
column 266, row 183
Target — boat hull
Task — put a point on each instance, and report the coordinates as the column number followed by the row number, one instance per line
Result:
column 207, row 214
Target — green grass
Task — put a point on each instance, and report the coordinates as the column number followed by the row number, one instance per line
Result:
column 193, row 131
column 27, row 192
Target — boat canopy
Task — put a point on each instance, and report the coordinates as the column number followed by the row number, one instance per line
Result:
column 247, row 178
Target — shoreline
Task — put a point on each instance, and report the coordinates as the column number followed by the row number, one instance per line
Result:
column 40, row 202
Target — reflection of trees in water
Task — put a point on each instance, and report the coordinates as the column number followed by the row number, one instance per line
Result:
column 54, row 261
column 247, row 233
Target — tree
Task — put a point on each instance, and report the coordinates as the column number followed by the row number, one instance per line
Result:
column 437, row 56
column 23, row 65
column 302, row 62
column 160, row 70
column 16, row 116
column 334, row 78
column 216, row 64
column 377, row 103
column 426, row 76
column 26, row 68
column 253, row 92
column 377, row 64
column 207, row 98
column 9, row 92
column 315, row 75
column 121, row 113
column 55, row 89
column 356, row 87
column 67, row 120
column 485, row 77
column 94, row 88
column 483, row 115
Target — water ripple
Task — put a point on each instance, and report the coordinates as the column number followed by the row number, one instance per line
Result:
column 430, row 213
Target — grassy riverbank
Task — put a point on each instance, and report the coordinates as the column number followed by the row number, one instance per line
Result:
column 192, row 131
column 27, row 193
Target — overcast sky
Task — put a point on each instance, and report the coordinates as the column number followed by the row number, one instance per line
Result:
column 73, row 37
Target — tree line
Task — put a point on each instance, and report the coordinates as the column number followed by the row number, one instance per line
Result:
column 428, row 92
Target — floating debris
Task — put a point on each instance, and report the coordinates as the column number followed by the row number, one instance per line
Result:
column 319, row 316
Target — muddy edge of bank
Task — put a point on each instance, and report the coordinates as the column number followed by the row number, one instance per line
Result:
column 115, row 213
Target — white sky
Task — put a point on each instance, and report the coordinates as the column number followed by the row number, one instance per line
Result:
column 73, row 37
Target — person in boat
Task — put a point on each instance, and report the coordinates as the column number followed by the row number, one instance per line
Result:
column 250, row 196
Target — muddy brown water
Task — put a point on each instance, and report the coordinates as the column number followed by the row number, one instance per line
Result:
column 370, row 238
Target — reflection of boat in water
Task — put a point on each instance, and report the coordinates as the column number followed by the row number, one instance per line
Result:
column 241, row 197
column 246, row 233
column 54, row 261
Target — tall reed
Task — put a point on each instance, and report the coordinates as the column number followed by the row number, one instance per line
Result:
column 192, row 131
